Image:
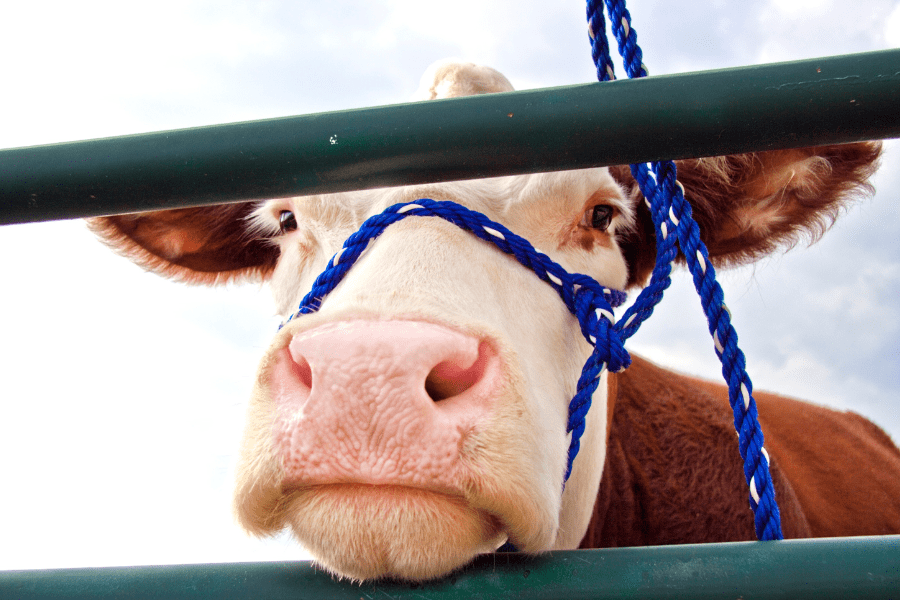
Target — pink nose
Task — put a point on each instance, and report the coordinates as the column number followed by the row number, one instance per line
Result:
column 381, row 402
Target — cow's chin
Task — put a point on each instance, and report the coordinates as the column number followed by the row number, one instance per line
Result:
column 372, row 531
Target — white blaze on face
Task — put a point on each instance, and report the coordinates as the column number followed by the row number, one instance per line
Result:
column 419, row 417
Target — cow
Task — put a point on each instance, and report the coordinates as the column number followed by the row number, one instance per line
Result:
column 418, row 419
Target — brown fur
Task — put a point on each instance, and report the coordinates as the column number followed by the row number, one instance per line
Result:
column 208, row 244
column 749, row 205
column 673, row 474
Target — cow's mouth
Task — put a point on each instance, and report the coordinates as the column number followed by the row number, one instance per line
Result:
column 401, row 458
column 367, row 531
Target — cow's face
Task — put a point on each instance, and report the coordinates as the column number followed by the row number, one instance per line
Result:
column 419, row 417
column 424, row 405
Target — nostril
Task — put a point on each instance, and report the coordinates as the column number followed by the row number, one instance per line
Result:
column 455, row 375
column 291, row 382
column 302, row 371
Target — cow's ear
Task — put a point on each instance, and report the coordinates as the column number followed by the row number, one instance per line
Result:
column 452, row 78
column 749, row 205
column 209, row 244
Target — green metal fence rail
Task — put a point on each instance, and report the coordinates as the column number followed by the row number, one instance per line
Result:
column 842, row 569
column 812, row 102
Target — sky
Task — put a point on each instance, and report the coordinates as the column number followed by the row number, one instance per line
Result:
column 122, row 395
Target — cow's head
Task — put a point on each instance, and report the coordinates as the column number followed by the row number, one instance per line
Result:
column 419, row 418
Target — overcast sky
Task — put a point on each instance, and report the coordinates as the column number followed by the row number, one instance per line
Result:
column 122, row 395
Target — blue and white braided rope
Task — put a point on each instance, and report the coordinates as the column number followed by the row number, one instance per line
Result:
column 671, row 214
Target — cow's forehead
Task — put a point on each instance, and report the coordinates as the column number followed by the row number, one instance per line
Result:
column 525, row 201
column 502, row 195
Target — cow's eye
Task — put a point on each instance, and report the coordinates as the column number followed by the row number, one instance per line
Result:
column 287, row 222
column 600, row 217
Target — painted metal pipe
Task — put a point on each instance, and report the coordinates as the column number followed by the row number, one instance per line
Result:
column 812, row 102
column 843, row 568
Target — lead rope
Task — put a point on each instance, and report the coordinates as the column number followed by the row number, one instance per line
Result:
column 672, row 220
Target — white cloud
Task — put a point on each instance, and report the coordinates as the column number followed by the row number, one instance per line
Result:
column 799, row 9
column 93, row 66
column 892, row 28
column 811, row 28
column 479, row 31
column 119, row 431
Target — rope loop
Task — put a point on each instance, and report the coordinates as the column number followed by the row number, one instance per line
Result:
column 597, row 321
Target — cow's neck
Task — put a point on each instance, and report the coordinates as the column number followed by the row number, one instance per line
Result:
column 593, row 534
column 612, row 389
column 578, row 499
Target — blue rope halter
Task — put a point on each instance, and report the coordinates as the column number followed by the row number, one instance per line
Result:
column 592, row 303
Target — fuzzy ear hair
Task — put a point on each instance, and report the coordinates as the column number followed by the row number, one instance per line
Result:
column 208, row 245
column 750, row 205
column 451, row 78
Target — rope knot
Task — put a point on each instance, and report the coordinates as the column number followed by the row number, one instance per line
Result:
column 593, row 308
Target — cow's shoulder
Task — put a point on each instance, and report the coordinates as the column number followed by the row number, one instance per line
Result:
column 844, row 469
column 673, row 474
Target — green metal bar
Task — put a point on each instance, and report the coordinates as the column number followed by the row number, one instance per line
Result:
column 812, row 102
column 843, row 568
